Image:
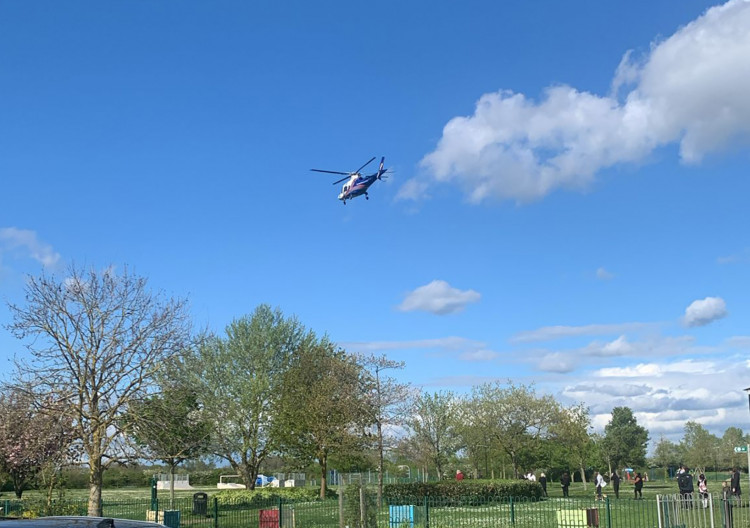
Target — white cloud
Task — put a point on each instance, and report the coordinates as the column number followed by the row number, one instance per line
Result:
column 687, row 367
column 463, row 349
column 438, row 297
column 25, row 242
column 691, row 89
column 559, row 362
column 603, row 274
column 705, row 311
column 551, row 333
column 482, row 354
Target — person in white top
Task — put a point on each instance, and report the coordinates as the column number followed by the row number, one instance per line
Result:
column 600, row 483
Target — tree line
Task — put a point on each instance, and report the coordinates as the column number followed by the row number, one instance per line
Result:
column 115, row 374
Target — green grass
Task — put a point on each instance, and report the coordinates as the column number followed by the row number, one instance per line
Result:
column 624, row 512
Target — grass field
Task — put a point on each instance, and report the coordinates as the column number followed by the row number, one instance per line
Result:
column 555, row 512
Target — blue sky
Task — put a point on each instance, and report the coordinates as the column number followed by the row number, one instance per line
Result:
column 567, row 208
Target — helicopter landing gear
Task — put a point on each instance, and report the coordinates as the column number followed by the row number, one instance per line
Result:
column 367, row 196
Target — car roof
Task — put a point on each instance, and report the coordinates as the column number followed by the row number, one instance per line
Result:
column 77, row 522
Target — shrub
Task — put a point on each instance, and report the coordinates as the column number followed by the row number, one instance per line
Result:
column 462, row 493
column 266, row 496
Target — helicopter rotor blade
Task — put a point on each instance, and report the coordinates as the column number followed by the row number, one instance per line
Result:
column 330, row 172
column 342, row 179
column 365, row 165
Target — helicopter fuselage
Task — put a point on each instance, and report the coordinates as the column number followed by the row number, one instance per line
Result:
column 356, row 186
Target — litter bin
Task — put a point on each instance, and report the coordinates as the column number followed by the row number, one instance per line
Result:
column 172, row 518
column 592, row 517
column 200, row 503
column 268, row 518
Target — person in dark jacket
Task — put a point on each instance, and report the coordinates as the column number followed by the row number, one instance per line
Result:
column 615, row 480
column 734, row 485
column 685, row 484
column 565, row 483
column 638, row 482
column 543, row 482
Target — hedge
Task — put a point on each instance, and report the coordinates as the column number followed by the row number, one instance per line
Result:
column 464, row 493
column 264, row 496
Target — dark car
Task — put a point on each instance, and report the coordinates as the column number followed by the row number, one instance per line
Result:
column 77, row 522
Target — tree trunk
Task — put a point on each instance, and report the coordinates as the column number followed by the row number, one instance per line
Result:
column 380, row 461
column 172, row 468
column 323, row 461
column 95, row 487
column 583, row 477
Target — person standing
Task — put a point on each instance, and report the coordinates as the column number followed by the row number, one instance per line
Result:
column 459, row 475
column 638, row 482
column 565, row 483
column 703, row 489
column 734, row 485
column 600, row 483
column 543, row 482
column 615, row 480
column 685, row 484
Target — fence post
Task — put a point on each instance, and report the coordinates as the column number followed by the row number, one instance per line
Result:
column 609, row 513
column 362, row 512
column 512, row 511
column 216, row 512
column 341, row 506
column 281, row 503
column 426, row 511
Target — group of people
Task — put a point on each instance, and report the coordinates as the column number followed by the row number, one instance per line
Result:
column 684, row 483
column 686, row 488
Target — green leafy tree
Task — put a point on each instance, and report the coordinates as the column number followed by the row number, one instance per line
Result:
column 625, row 441
column 666, row 454
column 170, row 427
column 238, row 379
column 324, row 406
column 96, row 342
column 514, row 418
column 435, row 428
column 732, row 438
column 571, row 431
column 698, row 445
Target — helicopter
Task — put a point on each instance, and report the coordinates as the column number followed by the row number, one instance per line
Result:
column 357, row 184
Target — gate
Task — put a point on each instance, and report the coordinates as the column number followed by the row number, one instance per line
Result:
column 693, row 511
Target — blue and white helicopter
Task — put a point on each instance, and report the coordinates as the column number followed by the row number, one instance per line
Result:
column 357, row 184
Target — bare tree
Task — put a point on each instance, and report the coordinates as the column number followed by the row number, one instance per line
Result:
column 389, row 404
column 96, row 340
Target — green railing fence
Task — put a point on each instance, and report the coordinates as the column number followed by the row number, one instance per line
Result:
column 426, row 512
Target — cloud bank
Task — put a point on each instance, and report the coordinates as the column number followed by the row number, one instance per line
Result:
column 690, row 89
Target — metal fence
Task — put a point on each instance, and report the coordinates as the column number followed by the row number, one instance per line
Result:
column 428, row 512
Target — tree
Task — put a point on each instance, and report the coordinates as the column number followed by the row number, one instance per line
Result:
column 666, row 454
column 238, row 379
column 699, row 445
column 514, row 417
column 435, row 428
column 324, row 406
column 97, row 340
column 731, row 438
column 30, row 438
column 387, row 402
column 624, row 440
column 170, row 426
column 571, row 431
